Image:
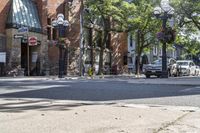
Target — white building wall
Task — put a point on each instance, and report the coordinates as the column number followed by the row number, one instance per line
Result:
column 131, row 52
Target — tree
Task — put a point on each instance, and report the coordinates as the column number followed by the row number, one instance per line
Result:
column 188, row 24
column 191, row 45
column 188, row 13
column 102, row 13
column 142, row 23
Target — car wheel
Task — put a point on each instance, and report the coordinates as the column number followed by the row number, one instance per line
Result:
column 195, row 73
column 189, row 73
column 169, row 73
column 159, row 76
column 176, row 75
column 147, row 76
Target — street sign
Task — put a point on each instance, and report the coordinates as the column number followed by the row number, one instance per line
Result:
column 32, row 41
column 18, row 36
column 23, row 30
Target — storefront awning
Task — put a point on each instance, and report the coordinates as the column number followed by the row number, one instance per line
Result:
column 24, row 13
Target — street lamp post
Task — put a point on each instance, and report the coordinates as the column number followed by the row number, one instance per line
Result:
column 61, row 25
column 164, row 13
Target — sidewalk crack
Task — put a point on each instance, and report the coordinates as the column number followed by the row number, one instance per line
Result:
column 166, row 125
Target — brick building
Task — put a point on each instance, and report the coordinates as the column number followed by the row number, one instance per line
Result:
column 43, row 58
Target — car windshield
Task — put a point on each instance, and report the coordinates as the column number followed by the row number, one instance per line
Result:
column 157, row 62
column 183, row 63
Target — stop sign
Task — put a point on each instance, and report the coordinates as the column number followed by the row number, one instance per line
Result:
column 32, row 41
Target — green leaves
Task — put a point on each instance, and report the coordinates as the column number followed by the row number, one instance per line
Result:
column 188, row 13
column 138, row 15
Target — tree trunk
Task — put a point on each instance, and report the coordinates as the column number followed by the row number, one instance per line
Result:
column 138, row 54
column 92, row 49
column 81, row 62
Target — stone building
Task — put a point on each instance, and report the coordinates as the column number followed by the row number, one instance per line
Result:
column 20, row 57
column 42, row 57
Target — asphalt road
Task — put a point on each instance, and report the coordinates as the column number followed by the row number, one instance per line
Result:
column 103, row 90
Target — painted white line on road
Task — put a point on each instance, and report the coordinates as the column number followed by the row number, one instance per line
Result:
column 193, row 89
column 8, row 89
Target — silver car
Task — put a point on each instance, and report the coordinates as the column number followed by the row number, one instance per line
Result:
column 187, row 67
column 155, row 68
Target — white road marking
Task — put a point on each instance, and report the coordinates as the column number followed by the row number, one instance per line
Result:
column 193, row 89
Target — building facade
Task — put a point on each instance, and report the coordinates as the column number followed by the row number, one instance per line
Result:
column 19, row 56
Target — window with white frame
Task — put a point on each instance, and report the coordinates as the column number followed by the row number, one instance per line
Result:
column 155, row 50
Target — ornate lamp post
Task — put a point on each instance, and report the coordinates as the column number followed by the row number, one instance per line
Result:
column 164, row 12
column 61, row 25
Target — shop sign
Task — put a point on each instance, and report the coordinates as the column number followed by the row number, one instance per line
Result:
column 18, row 36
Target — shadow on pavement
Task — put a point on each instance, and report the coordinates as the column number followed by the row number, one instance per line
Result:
column 94, row 90
column 18, row 106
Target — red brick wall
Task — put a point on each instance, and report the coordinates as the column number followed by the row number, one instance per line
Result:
column 42, row 10
column 72, row 14
column 120, row 49
column 4, row 9
column 53, row 5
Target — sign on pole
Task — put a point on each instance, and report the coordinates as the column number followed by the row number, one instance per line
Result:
column 32, row 41
column 23, row 30
column 18, row 36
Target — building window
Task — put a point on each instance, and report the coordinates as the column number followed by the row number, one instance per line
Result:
column 2, row 44
column 130, row 60
column 160, row 51
column 131, row 40
column 155, row 50
column 107, row 57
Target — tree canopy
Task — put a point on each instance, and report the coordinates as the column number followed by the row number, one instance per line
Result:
column 136, row 17
column 188, row 24
column 188, row 13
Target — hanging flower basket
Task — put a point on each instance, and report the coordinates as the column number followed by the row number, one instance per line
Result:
column 161, row 36
column 168, row 36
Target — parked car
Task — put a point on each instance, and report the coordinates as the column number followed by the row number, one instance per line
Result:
column 155, row 68
column 187, row 67
column 197, row 71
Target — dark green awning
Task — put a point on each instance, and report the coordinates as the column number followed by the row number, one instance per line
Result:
column 24, row 13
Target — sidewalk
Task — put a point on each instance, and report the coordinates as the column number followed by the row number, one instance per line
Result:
column 47, row 116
